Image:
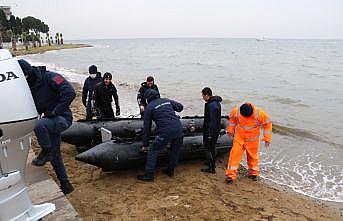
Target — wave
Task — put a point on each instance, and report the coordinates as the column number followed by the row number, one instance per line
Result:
column 208, row 64
column 305, row 173
column 302, row 133
column 286, row 100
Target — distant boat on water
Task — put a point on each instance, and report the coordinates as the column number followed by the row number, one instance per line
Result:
column 262, row 39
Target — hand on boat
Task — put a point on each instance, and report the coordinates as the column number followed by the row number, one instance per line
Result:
column 144, row 149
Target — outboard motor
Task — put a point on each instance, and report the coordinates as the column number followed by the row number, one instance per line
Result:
column 18, row 116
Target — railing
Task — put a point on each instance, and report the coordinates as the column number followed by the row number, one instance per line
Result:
column 21, row 46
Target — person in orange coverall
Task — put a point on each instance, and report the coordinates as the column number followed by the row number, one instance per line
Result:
column 245, row 126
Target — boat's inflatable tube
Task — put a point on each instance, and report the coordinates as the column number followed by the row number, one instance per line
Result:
column 87, row 133
column 114, row 156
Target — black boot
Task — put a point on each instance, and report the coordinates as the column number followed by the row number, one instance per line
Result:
column 208, row 170
column 43, row 157
column 168, row 172
column 146, row 177
column 229, row 180
column 253, row 177
column 66, row 187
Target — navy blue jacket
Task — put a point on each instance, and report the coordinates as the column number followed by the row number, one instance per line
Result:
column 52, row 93
column 140, row 96
column 89, row 87
column 212, row 118
column 162, row 112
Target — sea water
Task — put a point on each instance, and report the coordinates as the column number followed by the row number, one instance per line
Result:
column 299, row 83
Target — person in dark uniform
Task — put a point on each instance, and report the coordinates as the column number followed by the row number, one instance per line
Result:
column 149, row 84
column 103, row 94
column 168, row 130
column 52, row 95
column 212, row 121
column 88, row 90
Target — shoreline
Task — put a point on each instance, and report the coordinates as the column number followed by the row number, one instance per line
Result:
column 45, row 48
column 189, row 195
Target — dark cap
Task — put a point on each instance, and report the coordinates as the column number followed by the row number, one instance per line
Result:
column 107, row 75
column 246, row 110
column 92, row 69
column 150, row 78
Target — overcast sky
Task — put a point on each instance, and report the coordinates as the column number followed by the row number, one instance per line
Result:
column 90, row 19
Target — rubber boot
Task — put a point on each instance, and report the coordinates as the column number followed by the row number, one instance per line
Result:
column 146, row 177
column 168, row 172
column 253, row 177
column 208, row 170
column 211, row 164
column 229, row 180
column 43, row 157
column 66, row 187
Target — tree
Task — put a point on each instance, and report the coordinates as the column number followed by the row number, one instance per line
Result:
column 37, row 37
column 32, row 24
column 3, row 26
column 13, row 39
column 61, row 38
column 44, row 28
column 32, row 27
column 57, row 38
column 48, row 39
column 24, row 38
column 15, row 26
column 33, row 38
column 18, row 28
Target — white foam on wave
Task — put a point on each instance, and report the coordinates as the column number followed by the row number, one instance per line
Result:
column 304, row 173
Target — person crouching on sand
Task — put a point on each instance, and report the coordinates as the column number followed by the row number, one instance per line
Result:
column 245, row 126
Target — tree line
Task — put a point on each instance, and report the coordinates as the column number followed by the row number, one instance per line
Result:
column 26, row 30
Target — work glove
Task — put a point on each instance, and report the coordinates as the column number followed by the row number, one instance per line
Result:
column 49, row 114
column 117, row 111
column 144, row 149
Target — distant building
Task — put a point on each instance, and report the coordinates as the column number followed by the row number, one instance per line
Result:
column 7, row 11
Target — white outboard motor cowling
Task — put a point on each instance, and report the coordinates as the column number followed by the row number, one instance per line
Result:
column 18, row 116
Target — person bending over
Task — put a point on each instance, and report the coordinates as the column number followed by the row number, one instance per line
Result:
column 168, row 130
column 52, row 95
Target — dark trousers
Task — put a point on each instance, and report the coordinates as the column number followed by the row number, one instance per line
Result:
column 158, row 144
column 106, row 113
column 211, row 153
column 48, row 132
column 89, row 113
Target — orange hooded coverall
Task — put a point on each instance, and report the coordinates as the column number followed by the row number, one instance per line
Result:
column 246, row 131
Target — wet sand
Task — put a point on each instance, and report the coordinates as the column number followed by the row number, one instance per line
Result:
column 190, row 195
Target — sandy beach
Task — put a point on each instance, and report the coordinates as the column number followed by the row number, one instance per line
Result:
column 190, row 195
column 38, row 50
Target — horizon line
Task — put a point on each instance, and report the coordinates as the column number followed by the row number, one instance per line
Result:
column 254, row 38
